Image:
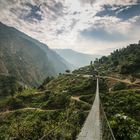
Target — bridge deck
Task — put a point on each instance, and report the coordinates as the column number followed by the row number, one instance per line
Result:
column 92, row 128
column 96, row 126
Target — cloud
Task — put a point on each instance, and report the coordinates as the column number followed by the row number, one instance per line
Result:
column 34, row 14
column 101, row 34
column 87, row 1
column 122, row 12
column 54, row 8
column 75, row 24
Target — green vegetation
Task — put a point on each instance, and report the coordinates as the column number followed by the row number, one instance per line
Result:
column 71, row 84
column 35, row 124
column 59, row 107
column 32, row 113
column 123, row 111
column 52, row 113
column 7, row 85
column 125, row 61
column 83, row 70
column 119, row 86
column 45, row 82
column 87, row 98
column 122, row 103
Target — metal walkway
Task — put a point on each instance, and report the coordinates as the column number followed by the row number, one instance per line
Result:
column 96, row 126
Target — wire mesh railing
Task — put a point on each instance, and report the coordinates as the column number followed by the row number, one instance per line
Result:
column 96, row 126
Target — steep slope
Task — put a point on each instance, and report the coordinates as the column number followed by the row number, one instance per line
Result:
column 26, row 58
column 76, row 58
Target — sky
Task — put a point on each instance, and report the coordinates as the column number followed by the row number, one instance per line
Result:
column 88, row 26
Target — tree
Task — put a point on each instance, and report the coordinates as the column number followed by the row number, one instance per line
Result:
column 45, row 82
column 8, row 85
column 119, row 86
column 13, row 87
column 91, row 63
column 15, row 103
column 67, row 71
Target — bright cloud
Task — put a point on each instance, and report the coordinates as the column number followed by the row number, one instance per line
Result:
column 92, row 26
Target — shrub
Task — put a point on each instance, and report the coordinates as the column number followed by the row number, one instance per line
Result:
column 124, row 127
column 14, row 103
column 119, row 86
column 57, row 101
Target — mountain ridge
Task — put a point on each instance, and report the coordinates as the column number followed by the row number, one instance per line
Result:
column 26, row 58
column 77, row 59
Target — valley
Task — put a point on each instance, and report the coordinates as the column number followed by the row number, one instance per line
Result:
column 42, row 99
column 29, row 60
column 69, row 69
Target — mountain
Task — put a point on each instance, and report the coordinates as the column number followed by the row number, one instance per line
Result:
column 29, row 60
column 75, row 58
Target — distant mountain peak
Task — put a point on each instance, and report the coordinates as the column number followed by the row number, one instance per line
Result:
column 78, row 59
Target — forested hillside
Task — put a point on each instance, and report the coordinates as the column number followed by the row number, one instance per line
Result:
column 125, row 62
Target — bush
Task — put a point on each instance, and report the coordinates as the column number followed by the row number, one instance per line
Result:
column 8, row 85
column 45, row 82
column 119, row 86
column 124, row 127
column 57, row 101
column 14, row 103
column 87, row 98
column 21, row 129
column 82, row 106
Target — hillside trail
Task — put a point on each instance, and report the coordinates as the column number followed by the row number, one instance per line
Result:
column 25, row 109
column 77, row 98
column 127, row 81
column 120, row 80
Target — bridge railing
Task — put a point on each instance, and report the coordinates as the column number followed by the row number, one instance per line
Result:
column 107, row 133
column 96, row 126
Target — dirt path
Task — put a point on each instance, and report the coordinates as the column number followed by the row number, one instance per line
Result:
column 24, row 109
column 120, row 80
column 77, row 98
column 116, row 79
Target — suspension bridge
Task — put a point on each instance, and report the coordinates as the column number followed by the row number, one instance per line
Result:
column 96, row 126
